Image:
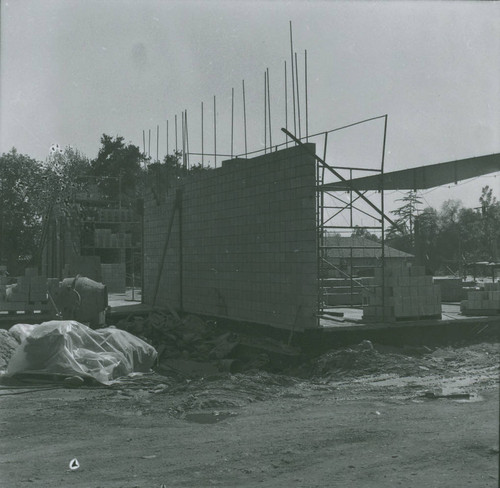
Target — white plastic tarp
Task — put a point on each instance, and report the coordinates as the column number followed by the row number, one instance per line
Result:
column 68, row 347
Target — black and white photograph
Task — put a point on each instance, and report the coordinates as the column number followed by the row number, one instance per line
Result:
column 249, row 243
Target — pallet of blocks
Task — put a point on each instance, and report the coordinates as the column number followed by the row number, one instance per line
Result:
column 485, row 301
column 401, row 292
column 28, row 294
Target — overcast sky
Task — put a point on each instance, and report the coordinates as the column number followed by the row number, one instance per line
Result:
column 72, row 70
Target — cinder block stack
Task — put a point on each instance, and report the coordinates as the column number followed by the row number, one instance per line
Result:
column 402, row 293
column 482, row 302
column 113, row 275
column 28, row 290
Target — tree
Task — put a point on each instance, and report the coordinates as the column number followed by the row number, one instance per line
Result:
column 426, row 231
column 490, row 213
column 361, row 232
column 22, row 206
column 402, row 235
column 118, row 170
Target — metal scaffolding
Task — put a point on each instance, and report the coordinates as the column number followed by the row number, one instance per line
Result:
column 342, row 275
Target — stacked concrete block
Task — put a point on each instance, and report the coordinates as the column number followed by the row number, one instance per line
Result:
column 401, row 292
column 27, row 293
column 114, row 277
column 248, row 242
column 452, row 289
column 485, row 301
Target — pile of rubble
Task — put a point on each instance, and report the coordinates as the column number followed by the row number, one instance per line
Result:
column 193, row 347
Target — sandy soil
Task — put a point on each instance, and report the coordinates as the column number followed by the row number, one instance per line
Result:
column 351, row 418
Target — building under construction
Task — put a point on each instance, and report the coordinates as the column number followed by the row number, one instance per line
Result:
column 249, row 241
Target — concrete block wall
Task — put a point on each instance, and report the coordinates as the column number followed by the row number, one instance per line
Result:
column 248, row 242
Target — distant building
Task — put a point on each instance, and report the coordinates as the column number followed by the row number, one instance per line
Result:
column 358, row 256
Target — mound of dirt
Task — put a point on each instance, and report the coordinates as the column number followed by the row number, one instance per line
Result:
column 365, row 359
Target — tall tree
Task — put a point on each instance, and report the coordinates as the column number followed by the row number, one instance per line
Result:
column 405, row 219
column 22, row 184
column 118, row 170
column 490, row 211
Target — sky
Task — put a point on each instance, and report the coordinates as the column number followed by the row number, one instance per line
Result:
column 71, row 70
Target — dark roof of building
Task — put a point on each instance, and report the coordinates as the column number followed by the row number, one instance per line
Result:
column 361, row 248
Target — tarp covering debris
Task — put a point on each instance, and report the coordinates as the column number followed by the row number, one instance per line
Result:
column 70, row 348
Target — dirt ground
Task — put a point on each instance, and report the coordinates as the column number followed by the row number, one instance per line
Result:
column 352, row 418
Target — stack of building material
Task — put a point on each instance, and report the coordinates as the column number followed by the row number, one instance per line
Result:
column 482, row 302
column 401, row 292
column 28, row 293
column 452, row 289
column 113, row 276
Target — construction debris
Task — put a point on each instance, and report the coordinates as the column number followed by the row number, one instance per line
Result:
column 193, row 347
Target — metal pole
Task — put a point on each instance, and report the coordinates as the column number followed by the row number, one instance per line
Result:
column 307, row 103
column 269, row 110
column 215, row 133
column 232, row 120
column 202, row 155
column 176, row 147
column 286, row 105
column 265, row 112
column 149, row 144
column 383, row 144
column 157, row 142
column 382, row 232
column 167, row 137
column 245, row 118
column 187, row 141
column 183, row 141
column 184, row 156
column 298, row 98
column 293, row 82
column 144, row 141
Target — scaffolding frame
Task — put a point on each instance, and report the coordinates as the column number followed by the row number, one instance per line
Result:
column 336, row 214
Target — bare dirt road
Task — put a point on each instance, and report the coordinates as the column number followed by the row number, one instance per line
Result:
column 351, row 418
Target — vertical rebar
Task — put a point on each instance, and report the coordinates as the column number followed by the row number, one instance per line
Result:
column 187, row 142
column 265, row 112
column 215, row 133
column 202, row 149
column 176, row 147
column 157, row 142
column 293, row 82
column 183, row 139
column 167, row 137
column 232, row 120
column 149, row 144
column 144, row 141
column 245, row 118
column 307, row 102
column 298, row 98
column 269, row 110
column 286, row 105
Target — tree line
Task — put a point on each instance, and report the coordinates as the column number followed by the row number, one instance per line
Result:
column 449, row 239
column 32, row 192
